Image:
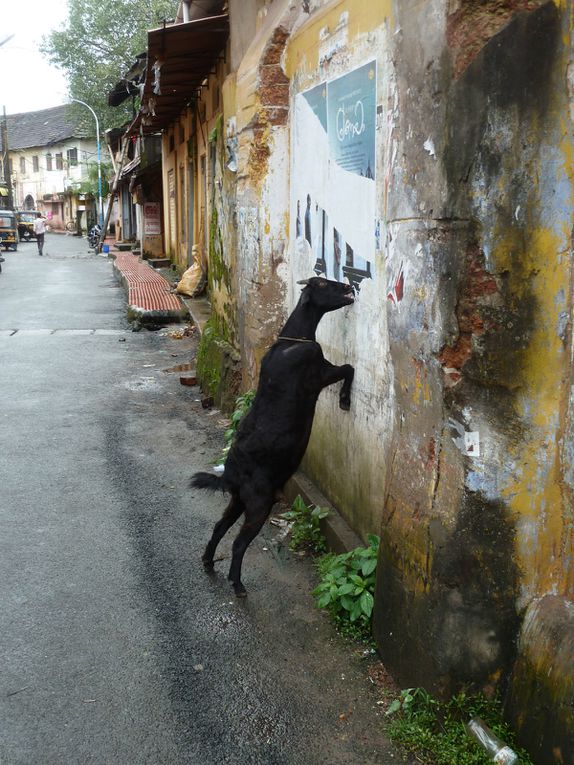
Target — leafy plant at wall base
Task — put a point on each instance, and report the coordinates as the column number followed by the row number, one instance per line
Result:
column 242, row 406
column 435, row 732
column 306, row 530
column 347, row 587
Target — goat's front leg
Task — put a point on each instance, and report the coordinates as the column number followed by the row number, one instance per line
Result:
column 331, row 374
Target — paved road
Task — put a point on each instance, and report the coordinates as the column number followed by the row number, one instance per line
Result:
column 115, row 647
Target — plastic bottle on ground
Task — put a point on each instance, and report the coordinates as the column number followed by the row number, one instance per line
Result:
column 498, row 751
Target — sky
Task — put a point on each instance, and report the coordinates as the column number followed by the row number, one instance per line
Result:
column 28, row 82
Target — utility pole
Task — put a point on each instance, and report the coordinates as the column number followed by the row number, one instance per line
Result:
column 6, row 162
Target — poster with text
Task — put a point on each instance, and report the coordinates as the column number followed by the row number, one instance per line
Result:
column 334, row 177
column 152, row 222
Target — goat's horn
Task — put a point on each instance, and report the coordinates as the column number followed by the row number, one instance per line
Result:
column 303, row 281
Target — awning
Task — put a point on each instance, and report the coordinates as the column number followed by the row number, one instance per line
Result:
column 179, row 59
column 130, row 82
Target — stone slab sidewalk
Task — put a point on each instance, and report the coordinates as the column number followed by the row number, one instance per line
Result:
column 150, row 296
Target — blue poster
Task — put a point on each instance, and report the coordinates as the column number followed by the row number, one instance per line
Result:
column 333, row 178
column 351, row 115
column 317, row 100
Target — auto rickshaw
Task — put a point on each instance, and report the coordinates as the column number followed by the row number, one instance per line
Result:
column 26, row 220
column 8, row 230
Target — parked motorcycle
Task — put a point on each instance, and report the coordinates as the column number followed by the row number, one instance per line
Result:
column 94, row 236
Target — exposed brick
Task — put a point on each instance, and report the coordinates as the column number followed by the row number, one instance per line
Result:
column 274, row 95
column 273, row 75
column 473, row 24
column 274, row 50
column 277, row 115
column 188, row 379
column 477, row 285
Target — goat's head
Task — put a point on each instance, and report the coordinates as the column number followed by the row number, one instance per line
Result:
column 326, row 294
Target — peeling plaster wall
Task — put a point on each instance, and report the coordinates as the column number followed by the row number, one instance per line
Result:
column 262, row 188
column 338, row 39
column 458, row 448
column 477, row 524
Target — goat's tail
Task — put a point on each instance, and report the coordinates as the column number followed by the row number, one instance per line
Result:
column 207, row 481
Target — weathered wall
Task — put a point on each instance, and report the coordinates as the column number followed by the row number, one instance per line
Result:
column 340, row 41
column 477, row 524
column 214, row 138
column 262, row 188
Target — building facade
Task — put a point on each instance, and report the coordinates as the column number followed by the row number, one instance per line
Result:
column 49, row 161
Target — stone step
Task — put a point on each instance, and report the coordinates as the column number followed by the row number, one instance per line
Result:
column 124, row 246
column 159, row 262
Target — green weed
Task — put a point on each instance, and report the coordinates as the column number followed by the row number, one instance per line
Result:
column 306, row 531
column 346, row 589
column 242, row 406
column 435, row 732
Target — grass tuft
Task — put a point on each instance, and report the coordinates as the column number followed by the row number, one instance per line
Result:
column 435, row 731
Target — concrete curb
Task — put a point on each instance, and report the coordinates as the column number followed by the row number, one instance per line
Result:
column 199, row 310
column 339, row 535
column 148, row 316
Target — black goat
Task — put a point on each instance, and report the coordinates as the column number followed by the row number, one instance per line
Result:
column 272, row 438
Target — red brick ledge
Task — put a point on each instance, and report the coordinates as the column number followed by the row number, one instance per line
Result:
column 149, row 295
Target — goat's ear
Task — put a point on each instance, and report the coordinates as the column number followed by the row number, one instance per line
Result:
column 303, row 281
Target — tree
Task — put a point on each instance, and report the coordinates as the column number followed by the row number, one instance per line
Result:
column 90, row 184
column 96, row 47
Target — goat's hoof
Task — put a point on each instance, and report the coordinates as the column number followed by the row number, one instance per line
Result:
column 207, row 564
column 345, row 403
column 240, row 591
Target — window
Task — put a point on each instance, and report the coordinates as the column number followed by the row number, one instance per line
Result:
column 35, row 164
column 72, row 157
column 48, row 161
column 59, row 162
column 22, row 164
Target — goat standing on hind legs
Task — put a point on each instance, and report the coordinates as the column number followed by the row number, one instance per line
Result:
column 272, row 437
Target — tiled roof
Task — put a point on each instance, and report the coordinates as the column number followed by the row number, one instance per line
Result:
column 42, row 128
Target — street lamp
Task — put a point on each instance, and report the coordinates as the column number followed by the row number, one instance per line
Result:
column 101, row 204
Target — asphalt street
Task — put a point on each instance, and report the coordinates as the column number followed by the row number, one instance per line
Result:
column 115, row 646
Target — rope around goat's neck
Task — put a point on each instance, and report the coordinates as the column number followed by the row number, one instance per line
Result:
column 297, row 339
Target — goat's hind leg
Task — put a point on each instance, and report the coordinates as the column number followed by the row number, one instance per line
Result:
column 230, row 515
column 255, row 517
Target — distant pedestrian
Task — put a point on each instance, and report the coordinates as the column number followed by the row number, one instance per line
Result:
column 40, row 230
